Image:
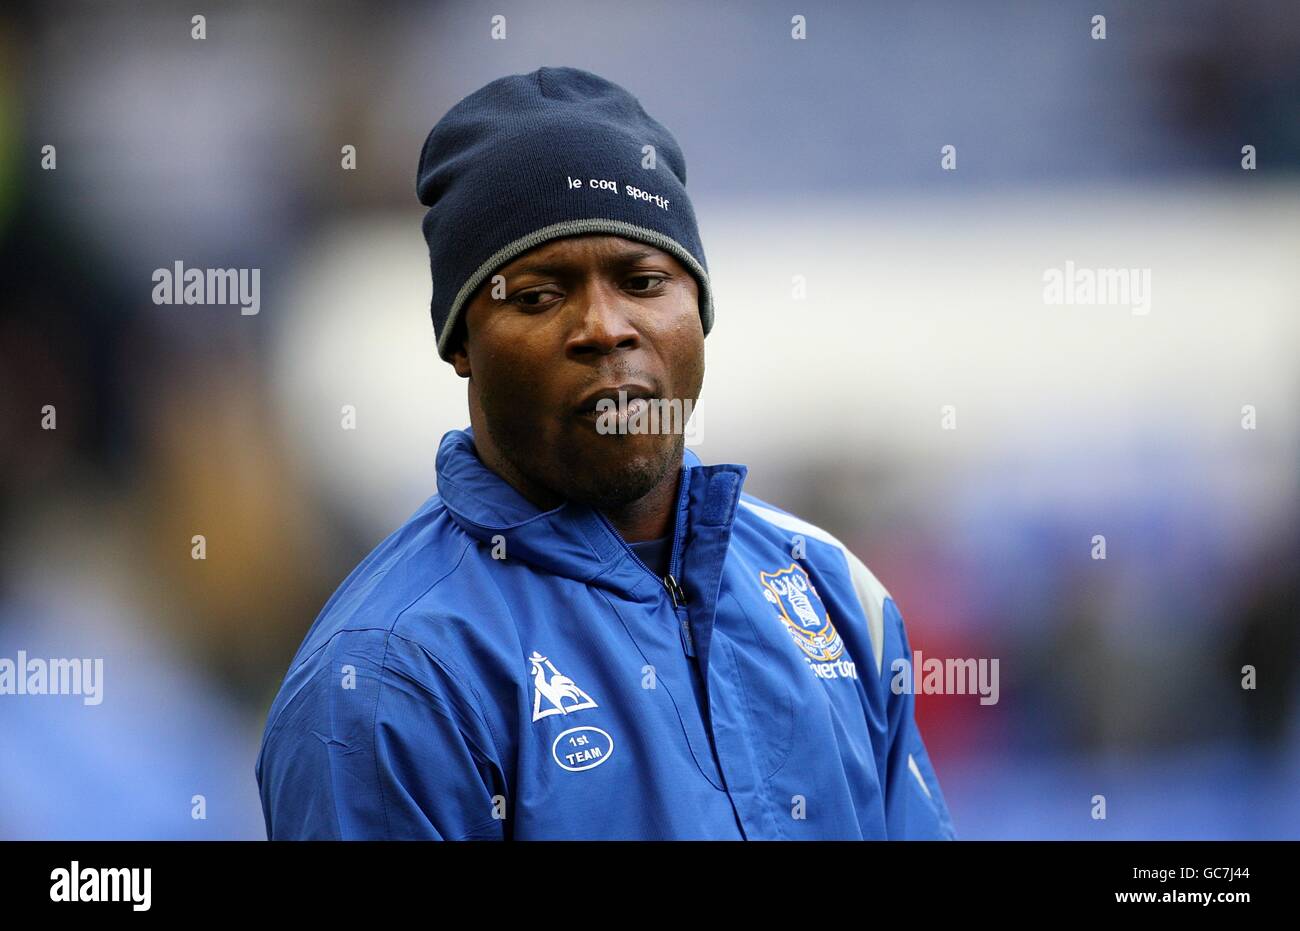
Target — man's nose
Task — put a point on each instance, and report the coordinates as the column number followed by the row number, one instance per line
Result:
column 604, row 324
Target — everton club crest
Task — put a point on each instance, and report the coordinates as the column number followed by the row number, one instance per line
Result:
column 799, row 606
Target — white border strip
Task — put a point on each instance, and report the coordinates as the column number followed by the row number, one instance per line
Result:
column 916, row 771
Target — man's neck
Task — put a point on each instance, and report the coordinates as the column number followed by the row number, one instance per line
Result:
column 651, row 516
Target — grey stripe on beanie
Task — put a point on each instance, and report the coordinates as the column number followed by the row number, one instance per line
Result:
column 533, row 157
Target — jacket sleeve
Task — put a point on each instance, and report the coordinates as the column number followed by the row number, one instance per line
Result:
column 915, row 808
column 380, row 741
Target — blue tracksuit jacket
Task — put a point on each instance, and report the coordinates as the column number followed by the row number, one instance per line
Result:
column 494, row 671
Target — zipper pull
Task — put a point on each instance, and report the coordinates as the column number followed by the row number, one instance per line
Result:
column 679, row 599
column 675, row 590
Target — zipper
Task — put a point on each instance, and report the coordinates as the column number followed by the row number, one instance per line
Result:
column 675, row 557
column 669, row 582
column 683, row 617
column 674, row 567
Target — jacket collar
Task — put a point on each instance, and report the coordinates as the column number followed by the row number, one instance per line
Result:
column 572, row 540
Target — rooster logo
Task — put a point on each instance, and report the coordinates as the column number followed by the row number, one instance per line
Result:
column 557, row 689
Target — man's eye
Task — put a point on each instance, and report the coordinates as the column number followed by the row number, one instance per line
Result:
column 530, row 298
column 652, row 281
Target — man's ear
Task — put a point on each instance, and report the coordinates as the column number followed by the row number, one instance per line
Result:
column 460, row 358
column 460, row 336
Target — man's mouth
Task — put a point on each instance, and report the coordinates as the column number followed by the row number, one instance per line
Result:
column 620, row 399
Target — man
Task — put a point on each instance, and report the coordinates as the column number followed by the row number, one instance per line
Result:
column 587, row 633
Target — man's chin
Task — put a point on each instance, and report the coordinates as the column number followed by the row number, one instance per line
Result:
column 615, row 471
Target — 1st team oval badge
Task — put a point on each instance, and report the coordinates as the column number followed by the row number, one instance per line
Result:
column 581, row 748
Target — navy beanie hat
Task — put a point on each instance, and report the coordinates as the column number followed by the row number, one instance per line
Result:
column 533, row 157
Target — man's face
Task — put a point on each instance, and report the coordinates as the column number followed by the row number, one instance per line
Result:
column 578, row 319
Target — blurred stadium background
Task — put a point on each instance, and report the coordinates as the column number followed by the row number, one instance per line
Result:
column 817, row 158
